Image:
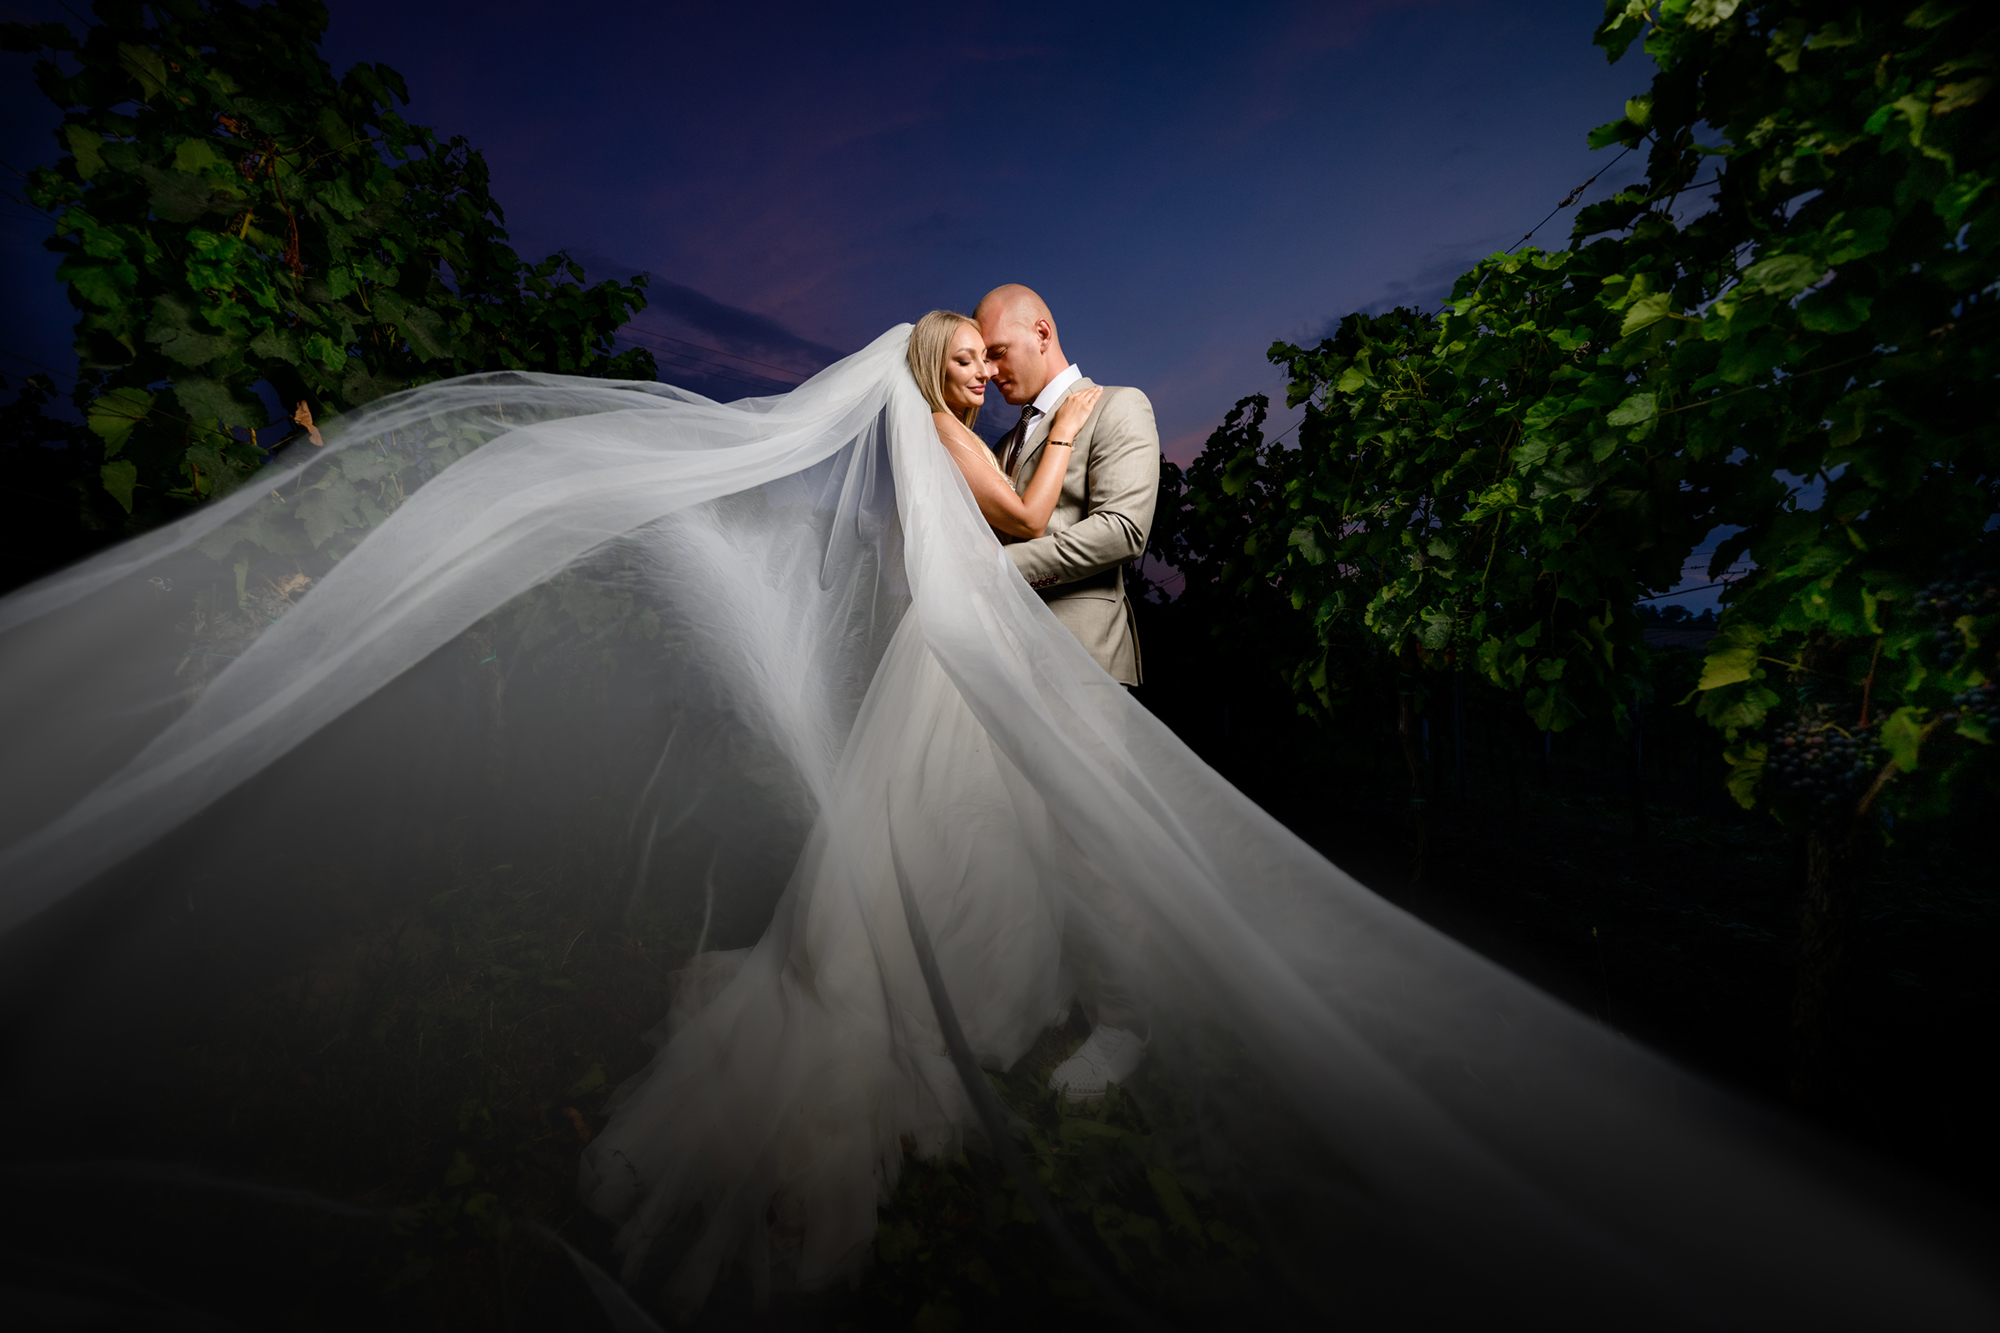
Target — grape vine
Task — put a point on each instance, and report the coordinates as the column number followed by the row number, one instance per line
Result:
column 1822, row 765
column 1956, row 600
column 233, row 218
column 1808, row 366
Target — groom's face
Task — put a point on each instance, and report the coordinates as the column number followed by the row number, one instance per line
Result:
column 1017, row 348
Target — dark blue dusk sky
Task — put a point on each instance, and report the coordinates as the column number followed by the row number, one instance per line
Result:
column 1184, row 183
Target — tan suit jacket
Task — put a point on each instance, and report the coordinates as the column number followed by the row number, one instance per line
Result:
column 1100, row 522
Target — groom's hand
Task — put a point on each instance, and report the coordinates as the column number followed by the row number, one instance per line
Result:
column 1122, row 472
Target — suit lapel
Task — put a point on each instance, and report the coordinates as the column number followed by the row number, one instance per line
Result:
column 1038, row 435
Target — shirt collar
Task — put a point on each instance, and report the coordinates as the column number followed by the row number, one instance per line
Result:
column 1045, row 401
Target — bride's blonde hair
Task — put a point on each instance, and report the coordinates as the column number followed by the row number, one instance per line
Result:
column 930, row 346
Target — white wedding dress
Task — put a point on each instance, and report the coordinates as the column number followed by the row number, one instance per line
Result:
column 777, row 636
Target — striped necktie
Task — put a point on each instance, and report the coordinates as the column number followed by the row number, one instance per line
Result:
column 1017, row 439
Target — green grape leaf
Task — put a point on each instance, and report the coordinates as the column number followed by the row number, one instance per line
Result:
column 119, row 477
column 206, row 399
column 175, row 335
column 1902, row 736
column 325, row 351
column 1783, row 275
column 146, row 66
column 1746, row 772
column 113, row 417
column 86, row 147
column 1639, row 407
column 1829, row 312
column 1732, row 657
column 107, row 286
column 1865, row 234
column 1710, row 13
column 1646, row 312
column 199, row 155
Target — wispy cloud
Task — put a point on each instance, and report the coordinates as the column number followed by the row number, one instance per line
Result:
column 1425, row 289
column 710, row 346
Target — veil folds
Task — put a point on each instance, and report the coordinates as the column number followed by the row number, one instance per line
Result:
column 759, row 647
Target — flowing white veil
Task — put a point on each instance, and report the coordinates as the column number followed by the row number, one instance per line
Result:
column 770, row 650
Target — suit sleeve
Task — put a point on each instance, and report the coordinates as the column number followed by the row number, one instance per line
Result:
column 1124, row 484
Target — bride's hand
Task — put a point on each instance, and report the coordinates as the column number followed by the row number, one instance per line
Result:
column 1075, row 410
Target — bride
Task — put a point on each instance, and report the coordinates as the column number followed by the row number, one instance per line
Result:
column 773, row 650
column 794, row 1075
column 947, row 359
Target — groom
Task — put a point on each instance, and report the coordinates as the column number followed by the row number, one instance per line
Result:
column 1078, row 566
column 1107, row 498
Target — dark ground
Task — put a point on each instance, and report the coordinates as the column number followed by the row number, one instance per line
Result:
column 451, row 1067
column 1683, row 937
column 1686, row 941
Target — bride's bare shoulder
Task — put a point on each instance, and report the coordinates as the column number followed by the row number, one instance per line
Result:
column 957, row 437
column 953, row 431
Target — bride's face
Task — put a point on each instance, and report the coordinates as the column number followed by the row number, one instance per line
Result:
column 966, row 369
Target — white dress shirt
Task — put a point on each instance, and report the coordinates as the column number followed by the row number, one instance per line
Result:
column 1015, row 443
column 1045, row 401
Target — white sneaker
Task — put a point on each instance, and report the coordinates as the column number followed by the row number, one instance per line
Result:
column 1108, row 1055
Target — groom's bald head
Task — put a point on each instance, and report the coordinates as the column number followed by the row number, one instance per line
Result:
column 1021, row 340
column 1013, row 302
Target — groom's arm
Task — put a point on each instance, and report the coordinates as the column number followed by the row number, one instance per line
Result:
column 1124, row 484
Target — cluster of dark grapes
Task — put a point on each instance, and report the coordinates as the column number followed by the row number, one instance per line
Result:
column 1958, row 594
column 1823, row 765
column 1981, row 704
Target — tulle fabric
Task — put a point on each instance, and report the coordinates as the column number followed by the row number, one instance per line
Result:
column 791, row 1081
column 777, row 637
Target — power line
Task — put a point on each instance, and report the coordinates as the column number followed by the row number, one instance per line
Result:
column 1682, row 592
column 29, row 361
column 1287, row 430
column 1567, row 200
column 24, row 211
column 1570, row 198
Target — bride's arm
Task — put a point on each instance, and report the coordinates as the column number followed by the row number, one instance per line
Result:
column 1017, row 515
column 1003, row 510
